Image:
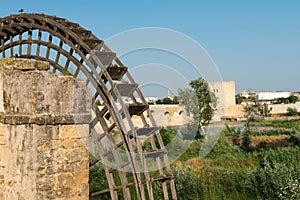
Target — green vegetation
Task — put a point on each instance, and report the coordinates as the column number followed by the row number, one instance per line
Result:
column 252, row 113
column 198, row 101
column 274, row 181
column 166, row 133
column 250, row 164
column 237, row 169
column 233, row 172
column 189, row 185
column 288, row 123
column 290, row 99
column 168, row 101
column 97, row 180
column 239, row 99
column 292, row 111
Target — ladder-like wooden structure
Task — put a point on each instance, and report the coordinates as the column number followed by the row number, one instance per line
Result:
column 73, row 50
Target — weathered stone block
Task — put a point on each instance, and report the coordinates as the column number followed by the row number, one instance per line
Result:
column 23, row 64
column 31, row 91
column 73, row 132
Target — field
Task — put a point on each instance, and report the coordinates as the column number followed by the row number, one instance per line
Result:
column 243, row 165
column 250, row 164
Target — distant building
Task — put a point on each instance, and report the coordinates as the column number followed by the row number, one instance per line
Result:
column 270, row 97
column 245, row 94
column 226, row 105
column 248, row 95
column 169, row 94
column 264, row 97
column 150, row 100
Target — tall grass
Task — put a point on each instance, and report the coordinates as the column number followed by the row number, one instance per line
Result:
column 288, row 123
column 228, row 172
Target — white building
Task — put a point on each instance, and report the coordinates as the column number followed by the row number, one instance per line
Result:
column 148, row 99
column 271, row 96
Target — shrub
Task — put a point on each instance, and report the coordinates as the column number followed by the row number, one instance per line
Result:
column 246, row 139
column 97, row 181
column 191, row 131
column 233, row 182
column 274, row 181
column 274, row 132
column 292, row 111
column 295, row 139
column 175, row 100
column 167, row 100
column 222, row 147
column 289, row 157
column 166, row 133
column 188, row 185
column 231, row 131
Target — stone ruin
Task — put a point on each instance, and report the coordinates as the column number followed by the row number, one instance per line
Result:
column 44, row 130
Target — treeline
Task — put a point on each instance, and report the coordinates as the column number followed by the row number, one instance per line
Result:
column 168, row 101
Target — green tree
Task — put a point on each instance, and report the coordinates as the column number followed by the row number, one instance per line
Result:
column 204, row 97
column 175, row 100
column 198, row 101
column 159, row 101
column 239, row 99
column 293, row 99
column 166, row 133
column 291, row 111
column 246, row 139
column 266, row 110
column 280, row 100
column 290, row 99
column 166, row 100
column 188, row 99
column 252, row 112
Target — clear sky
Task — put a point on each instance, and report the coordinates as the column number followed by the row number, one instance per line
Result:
column 256, row 43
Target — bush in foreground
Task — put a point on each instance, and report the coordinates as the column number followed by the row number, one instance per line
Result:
column 189, row 185
column 274, row 181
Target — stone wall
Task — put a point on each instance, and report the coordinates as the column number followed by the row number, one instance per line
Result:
column 277, row 109
column 175, row 115
column 43, row 133
column 166, row 115
column 2, row 161
column 235, row 112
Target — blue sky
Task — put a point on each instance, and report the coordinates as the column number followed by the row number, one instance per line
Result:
column 256, row 43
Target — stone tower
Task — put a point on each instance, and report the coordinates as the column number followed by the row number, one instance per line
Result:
column 225, row 93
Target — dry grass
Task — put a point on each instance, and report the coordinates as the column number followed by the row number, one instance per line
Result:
column 196, row 162
column 280, row 141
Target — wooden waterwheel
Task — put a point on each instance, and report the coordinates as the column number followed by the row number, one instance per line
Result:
column 73, row 50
